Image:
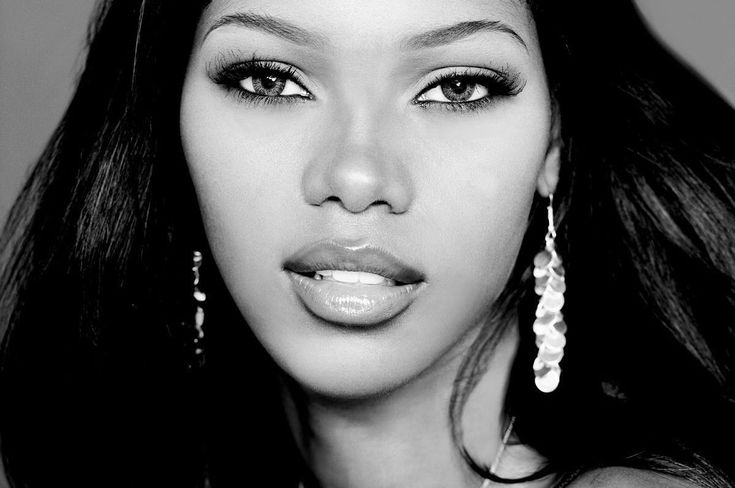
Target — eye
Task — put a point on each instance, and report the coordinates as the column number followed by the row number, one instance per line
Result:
column 272, row 85
column 469, row 88
column 455, row 90
column 260, row 81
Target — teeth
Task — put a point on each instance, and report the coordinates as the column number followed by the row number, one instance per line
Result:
column 371, row 279
column 353, row 277
column 346, row 276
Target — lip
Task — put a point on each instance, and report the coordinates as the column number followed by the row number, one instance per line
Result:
column 352, row 256
column 353, row 304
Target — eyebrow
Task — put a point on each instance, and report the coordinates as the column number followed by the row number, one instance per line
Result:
column 271, row 25
column 459, row 31
column 297, row 35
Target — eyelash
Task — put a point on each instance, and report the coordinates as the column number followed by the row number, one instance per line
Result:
column 230, row 75
column 499, row 83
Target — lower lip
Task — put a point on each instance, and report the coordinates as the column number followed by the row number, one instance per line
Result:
column 353, row 304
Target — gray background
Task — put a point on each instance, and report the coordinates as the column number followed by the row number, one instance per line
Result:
column 41, row 45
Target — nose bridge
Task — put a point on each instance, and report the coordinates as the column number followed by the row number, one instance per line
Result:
column 358, row 165
column 355, row 121
column 363, row 142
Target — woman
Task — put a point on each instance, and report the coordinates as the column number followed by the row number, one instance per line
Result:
column 369, row 193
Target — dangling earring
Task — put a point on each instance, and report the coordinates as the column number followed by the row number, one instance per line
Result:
column 199, row 297
column 549, row 325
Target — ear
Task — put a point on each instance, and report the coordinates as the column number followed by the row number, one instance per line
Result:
column 548, row 176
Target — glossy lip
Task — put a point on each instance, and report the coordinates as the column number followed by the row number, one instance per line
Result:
column 352, row 304
column 332, row 254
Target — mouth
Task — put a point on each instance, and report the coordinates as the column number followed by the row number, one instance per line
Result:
column 352, row 284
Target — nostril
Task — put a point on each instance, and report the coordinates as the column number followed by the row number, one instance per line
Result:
column 355, row 206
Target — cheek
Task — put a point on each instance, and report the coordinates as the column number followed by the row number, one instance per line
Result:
column 243, row 166
column 231, row 154
column 244, row 169
column 483, row 177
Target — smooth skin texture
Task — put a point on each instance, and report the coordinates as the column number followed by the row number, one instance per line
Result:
column 352, row 155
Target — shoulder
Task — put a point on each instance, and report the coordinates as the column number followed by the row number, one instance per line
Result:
column 619, row 477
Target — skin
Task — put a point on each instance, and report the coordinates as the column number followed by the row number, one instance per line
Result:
column 448, row 192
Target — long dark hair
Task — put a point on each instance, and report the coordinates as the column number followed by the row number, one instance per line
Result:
column 95, row 286
column 648, row 226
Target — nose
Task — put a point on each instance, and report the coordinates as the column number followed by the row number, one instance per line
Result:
column 358, row 165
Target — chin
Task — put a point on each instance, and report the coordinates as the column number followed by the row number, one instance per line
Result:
column 337, row 364
column 344, row 366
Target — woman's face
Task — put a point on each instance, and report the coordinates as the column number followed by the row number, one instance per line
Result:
column 365, row 171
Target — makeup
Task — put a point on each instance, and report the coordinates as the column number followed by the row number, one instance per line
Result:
column 353, row 284
column 240, row 75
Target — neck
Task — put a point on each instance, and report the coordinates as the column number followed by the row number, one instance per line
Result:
column 403, row 438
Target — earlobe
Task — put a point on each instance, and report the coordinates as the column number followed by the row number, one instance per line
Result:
column 548, row 176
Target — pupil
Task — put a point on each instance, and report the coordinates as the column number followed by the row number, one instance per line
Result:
column 458, row 89
column 269, row 85
column 458, row 86
column 268, row 82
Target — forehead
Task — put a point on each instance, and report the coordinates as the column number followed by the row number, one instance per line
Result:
column 375, row 22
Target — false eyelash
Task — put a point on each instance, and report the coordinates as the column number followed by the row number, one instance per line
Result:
column 229, row 75
column 499, row 82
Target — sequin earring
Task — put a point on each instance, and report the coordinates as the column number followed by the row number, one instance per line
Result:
column 549, row 325
column 199, row 298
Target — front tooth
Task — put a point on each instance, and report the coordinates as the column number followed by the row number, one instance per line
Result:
column 346, row 276
column 371, row 278
column 353, row 277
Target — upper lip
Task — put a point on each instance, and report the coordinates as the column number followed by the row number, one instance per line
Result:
column 351, row 256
